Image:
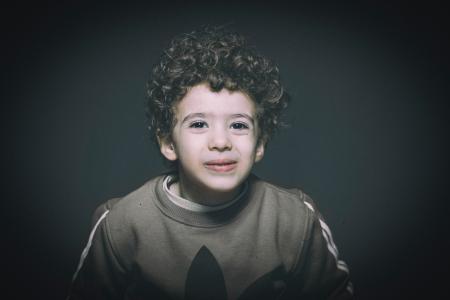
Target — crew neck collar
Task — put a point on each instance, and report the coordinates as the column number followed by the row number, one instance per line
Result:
column 212, row 218
column 194, row 206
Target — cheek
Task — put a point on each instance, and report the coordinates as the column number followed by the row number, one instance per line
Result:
column 246, row 147
column 189, row 146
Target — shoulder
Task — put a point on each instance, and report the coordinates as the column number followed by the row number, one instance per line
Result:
column 121, row 221
column 122, row 211
column 290, row 213
column 293, row 209
column 285, row 198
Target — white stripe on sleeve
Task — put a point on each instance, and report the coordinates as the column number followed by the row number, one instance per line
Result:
column 88, row 246
column 326, row 232
column 309, row 206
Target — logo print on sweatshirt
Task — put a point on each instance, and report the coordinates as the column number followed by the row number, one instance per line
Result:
column 205, row 280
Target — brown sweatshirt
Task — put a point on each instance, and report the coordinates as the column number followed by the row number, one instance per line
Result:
column 271, row 244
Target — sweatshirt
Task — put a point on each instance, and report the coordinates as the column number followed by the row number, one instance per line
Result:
column 272, row 243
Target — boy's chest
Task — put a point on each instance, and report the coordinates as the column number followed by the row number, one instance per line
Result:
column 222, row 263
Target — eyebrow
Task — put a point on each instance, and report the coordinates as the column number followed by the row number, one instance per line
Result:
column 246, row 116
column 192, row 116
column 203, row 115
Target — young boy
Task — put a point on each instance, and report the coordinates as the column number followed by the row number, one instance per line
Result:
column 210, row 229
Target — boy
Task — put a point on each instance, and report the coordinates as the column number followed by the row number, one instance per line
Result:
column 210, row 229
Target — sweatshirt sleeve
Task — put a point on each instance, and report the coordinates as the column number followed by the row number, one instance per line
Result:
column 320, row 273
column 99, row 274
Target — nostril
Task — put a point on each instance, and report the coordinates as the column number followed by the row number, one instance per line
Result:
column 220, row 143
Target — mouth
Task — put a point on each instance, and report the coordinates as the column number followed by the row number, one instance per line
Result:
column 221, row 165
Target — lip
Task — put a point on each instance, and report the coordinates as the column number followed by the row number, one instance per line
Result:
column 221, row 165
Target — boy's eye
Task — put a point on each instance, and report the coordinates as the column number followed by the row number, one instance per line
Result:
column 197, row 124
column 239, row 126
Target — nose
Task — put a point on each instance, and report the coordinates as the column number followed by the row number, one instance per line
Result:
column 219, row 140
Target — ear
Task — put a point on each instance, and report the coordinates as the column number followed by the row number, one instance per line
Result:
column 167, row 148
column 259, row 154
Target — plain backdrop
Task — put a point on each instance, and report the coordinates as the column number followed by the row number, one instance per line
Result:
column 367, row 136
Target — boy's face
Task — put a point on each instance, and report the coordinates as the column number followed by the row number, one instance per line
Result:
column 215, row 139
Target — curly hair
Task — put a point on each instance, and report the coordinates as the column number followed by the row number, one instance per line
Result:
column 222, row 59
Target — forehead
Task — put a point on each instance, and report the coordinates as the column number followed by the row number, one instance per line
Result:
column 201, row 99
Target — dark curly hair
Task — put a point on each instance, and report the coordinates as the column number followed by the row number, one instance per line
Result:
column 222, row 59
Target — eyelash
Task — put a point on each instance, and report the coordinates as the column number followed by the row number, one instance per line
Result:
column 242, row 126
column 196, row 124
column 201, row 124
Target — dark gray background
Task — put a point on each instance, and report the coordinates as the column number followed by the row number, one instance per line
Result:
column 367, row 138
